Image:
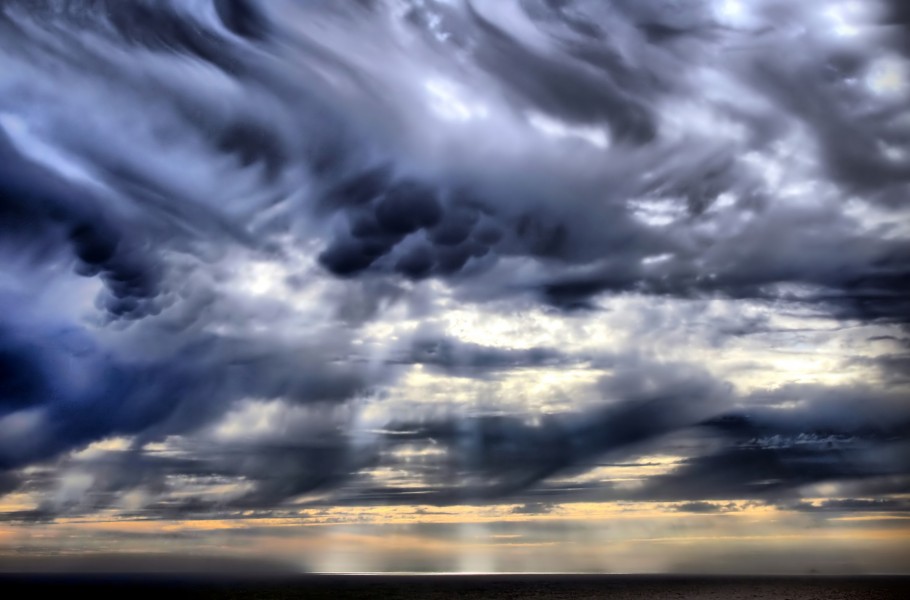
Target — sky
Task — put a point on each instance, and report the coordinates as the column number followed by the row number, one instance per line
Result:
column 613, row 286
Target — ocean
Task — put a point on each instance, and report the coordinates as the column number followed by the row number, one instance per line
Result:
column 460, row 587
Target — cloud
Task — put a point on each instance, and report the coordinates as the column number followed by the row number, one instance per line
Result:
column 856, row 504
column 705, row 507
column 533, row 508
column 454, row 356
column 493, row 455
column 218, row 243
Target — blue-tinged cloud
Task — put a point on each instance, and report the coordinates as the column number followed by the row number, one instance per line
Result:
column 233, row 211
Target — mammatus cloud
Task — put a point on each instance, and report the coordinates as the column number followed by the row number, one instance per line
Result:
column 221, row 223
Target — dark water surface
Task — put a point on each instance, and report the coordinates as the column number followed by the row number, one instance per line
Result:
column 463, row 587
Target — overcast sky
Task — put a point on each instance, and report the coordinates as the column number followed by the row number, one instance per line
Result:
column 455, row 285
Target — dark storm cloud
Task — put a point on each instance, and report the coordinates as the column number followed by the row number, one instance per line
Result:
column 494, row 455
column 894, row 368
column 132, row 280
column 8, row 482
column 852, row 271
column 145, row 146
column 74, row 392
column 487, row 457
column 804, row 435
column 797, row 437
column 564, row 61
column 771, row 455
column 457, row 357
column 262, row 476
column 756, row 472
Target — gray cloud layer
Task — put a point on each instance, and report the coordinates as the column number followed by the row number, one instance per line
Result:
column 557, row 152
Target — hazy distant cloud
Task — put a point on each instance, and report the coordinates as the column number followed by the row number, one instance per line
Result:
column 533, row 508
column 705, row 507
column 853, row 504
